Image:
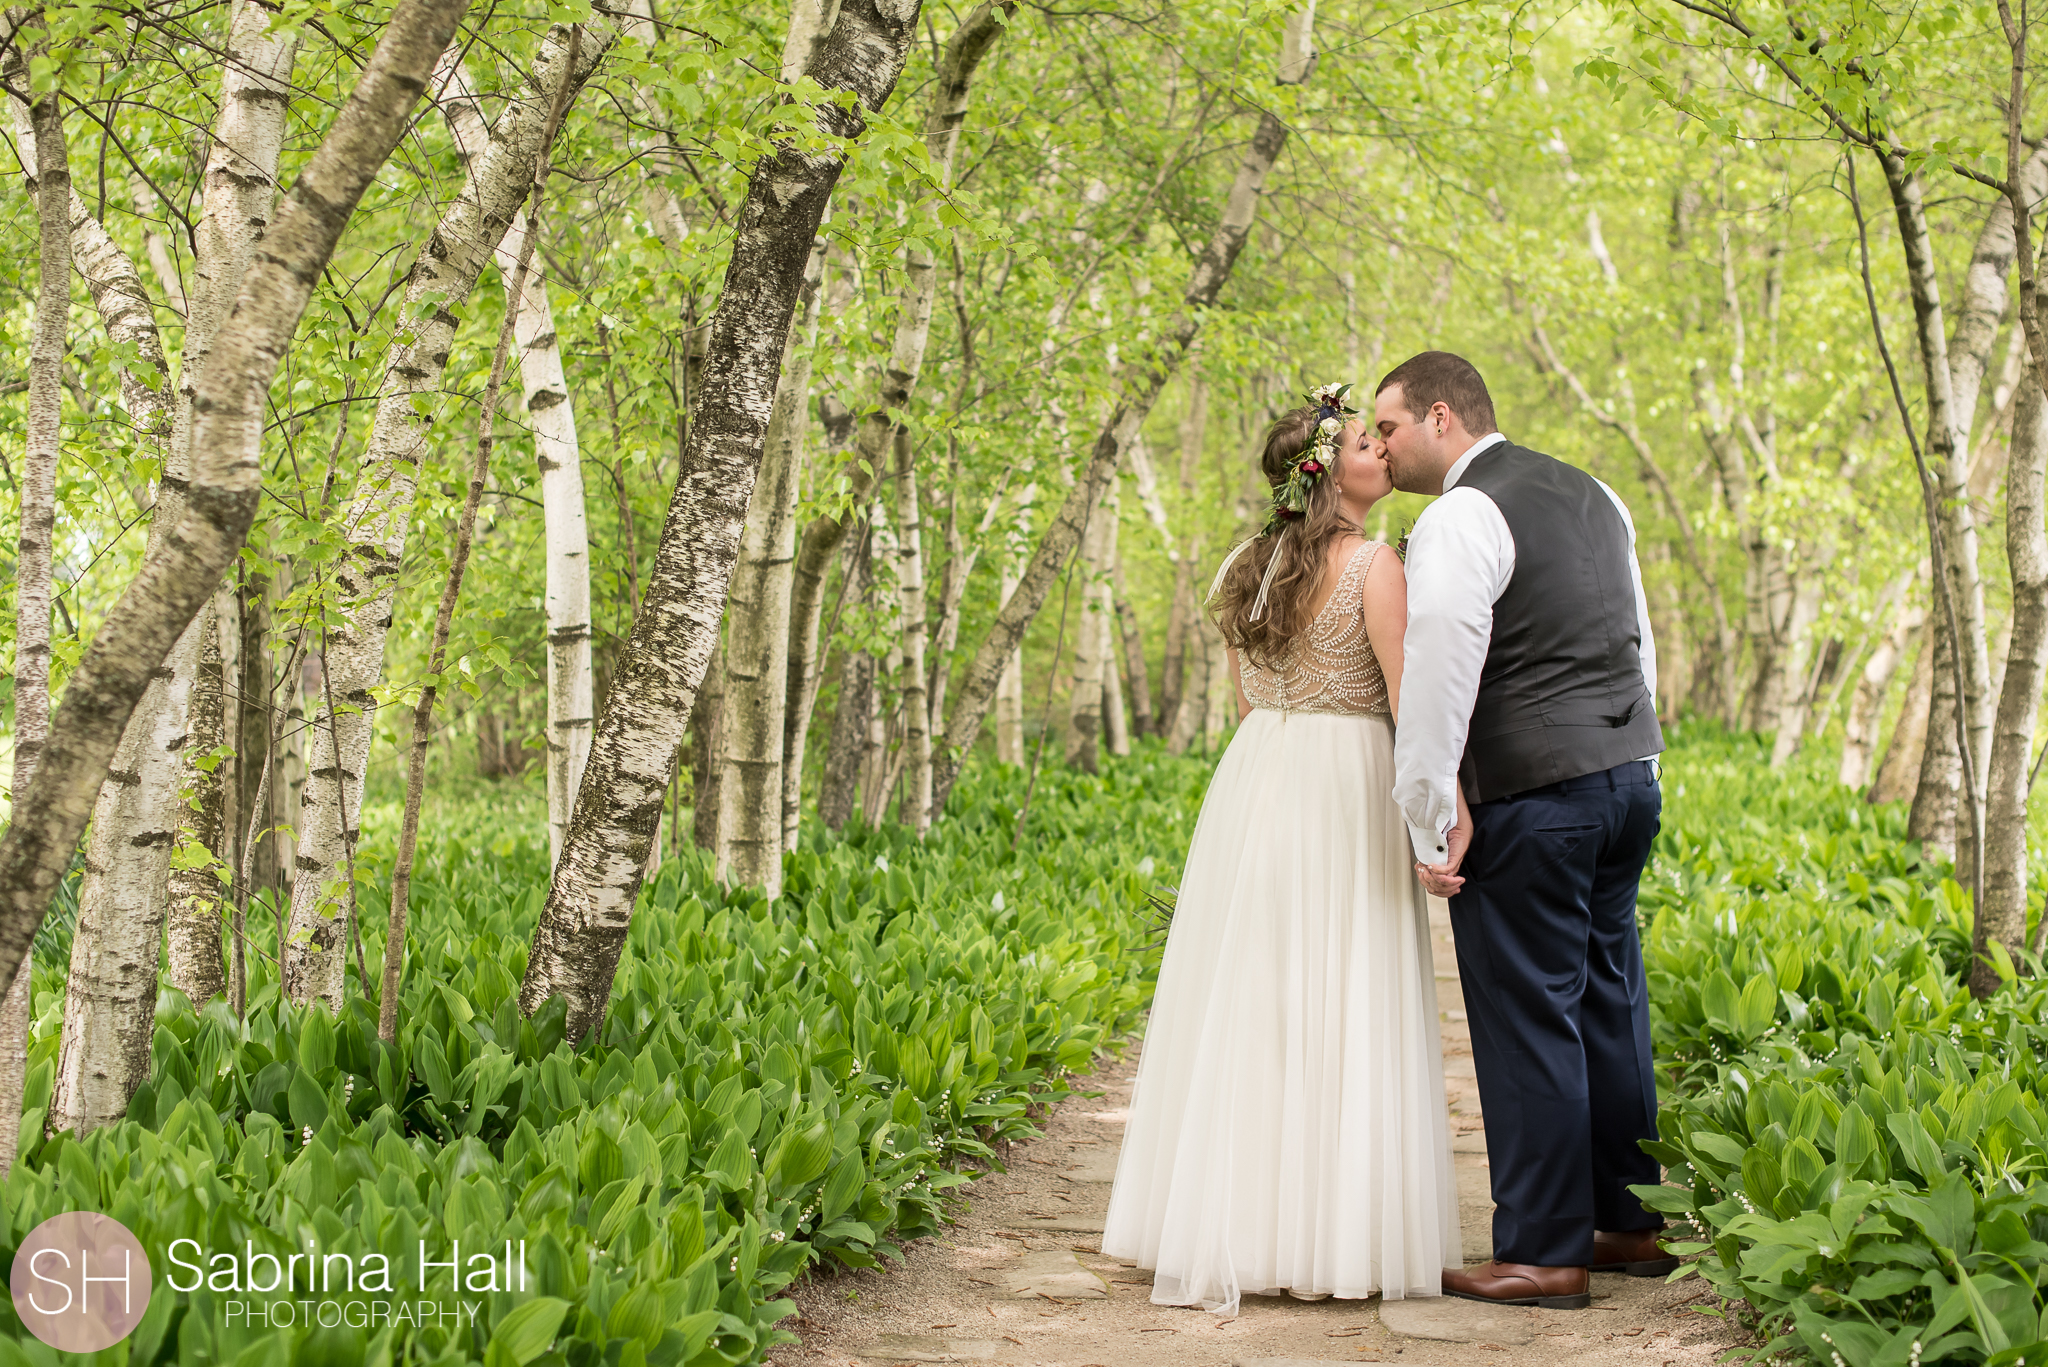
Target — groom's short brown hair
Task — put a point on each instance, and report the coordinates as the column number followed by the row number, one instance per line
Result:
column 1430, row 378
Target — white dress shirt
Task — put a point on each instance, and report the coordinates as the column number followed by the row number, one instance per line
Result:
column 1461, row 556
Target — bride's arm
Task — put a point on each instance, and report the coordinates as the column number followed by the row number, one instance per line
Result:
column 1386, row 618
column 1244, row 704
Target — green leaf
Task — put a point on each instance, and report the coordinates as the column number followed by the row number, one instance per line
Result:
column 307, row 1102
column 1855, row 1139
column 529, row 1330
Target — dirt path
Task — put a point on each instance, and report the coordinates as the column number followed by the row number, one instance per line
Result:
column 1020, row 1280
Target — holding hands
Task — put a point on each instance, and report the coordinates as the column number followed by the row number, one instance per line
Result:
column 1442, row 880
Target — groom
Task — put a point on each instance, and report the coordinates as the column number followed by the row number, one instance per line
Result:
column 1530, row 680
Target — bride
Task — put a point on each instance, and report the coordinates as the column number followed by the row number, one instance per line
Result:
column 1287, row 1128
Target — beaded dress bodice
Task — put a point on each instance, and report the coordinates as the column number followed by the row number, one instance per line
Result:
column 1330, row 667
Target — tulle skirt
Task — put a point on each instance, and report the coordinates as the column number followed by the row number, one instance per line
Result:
column 1287, row 1126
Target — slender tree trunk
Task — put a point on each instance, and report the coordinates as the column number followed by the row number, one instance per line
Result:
column 1898, row 774
column 1140, row 392
column 877, row 773
column 1134, row 652
column 707, row 756
column 874, row 433
column 916, row 811
column 228, row 412
column 466, row 238
column 32, row 566
column 821, row 543
column 1220, row 711
column 1791, row 691
column 249, row 706
column 1085, row 703
column 1859, row 739
column 841, row 779
column 1010, row 691
column 749, row 837
column 552, row 417
column 1180, row 615
column 2003, row 917
column 129, row 842
column 1116, row 730
column 1010, row 686
column 458, row 560
column 1949, row 414
column 590, row 905
column 194, row 958
column 1194, row 698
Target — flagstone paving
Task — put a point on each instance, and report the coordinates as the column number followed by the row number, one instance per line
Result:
column 1020, row 1281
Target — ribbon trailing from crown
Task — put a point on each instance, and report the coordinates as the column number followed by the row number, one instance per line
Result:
column 1318, row 455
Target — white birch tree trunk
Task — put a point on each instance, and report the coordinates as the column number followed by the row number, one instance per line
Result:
column 583, row 926
column 2002, row 919
column 179, row 574
column 110, row 997
column 33, row 556
column 749, row 843
column 551, row 415
column 1084, row 705
column 466, row 238
column 916, row 811
column 193, row 959
column 1859, row 731
column 1010, row 688
column 1953, row 373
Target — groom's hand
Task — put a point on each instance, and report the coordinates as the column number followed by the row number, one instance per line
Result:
column 1442, row 880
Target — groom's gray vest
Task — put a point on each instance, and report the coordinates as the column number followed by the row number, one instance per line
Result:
column 1562, row 691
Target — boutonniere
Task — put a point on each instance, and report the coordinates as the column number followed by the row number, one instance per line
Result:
column 1401, row 548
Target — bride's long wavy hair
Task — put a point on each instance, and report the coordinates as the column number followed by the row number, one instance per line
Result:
column 1302, row 548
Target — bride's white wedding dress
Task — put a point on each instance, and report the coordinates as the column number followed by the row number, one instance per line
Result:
column 1287, row 1127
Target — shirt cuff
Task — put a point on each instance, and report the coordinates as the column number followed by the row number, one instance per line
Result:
column 1430, row 846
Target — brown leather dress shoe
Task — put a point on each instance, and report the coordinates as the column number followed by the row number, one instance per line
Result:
column 1638, row 1252
column 1552, row 1288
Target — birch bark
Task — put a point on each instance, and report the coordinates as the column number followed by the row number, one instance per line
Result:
column 1084, row 704
column 1953, row 372
column 916, row 810
column 110, row 995
column 551, row 416
column 1134, row 652
column 1141, row 391
column 850, row 718
column 1898, row 772
column 374, row 526
column 228, row 408
column 193, row 956
column 1859, row 738
column 458, row 561
column 33, row 557
column 2002, row 919
column 1009, row 703
column 820, row 544
column 749, row 840
column 583, row 925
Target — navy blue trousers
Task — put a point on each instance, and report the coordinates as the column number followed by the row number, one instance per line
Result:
column 1552, row 972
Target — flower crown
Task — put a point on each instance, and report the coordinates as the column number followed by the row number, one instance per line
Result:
column 1290, row 499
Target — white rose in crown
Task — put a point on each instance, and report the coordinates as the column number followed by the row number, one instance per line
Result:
column 1330, row 427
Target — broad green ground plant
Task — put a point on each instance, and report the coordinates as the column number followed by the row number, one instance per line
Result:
column 1855, row 1148
column 774, row 1088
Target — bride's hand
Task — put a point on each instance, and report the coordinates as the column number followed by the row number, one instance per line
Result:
column 1443, row 880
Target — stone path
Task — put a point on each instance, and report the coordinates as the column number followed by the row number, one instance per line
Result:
column 1020, row 1280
